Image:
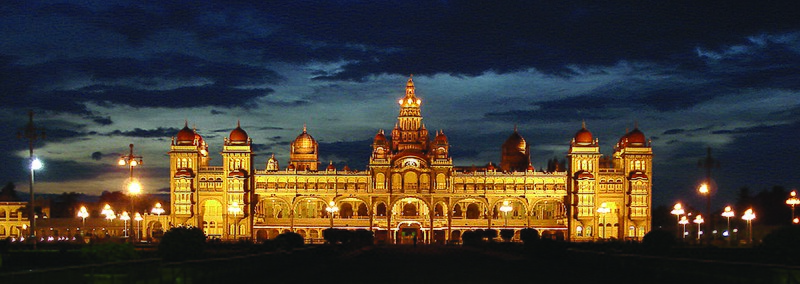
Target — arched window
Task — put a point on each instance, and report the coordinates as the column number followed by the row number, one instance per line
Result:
column 438, row 210
column 579, row 231
column 381, row 210
column 346, row 211
column 588, row 231
column 457, row 211
column 473, row 212
column 631, row 231
column 362, row 210
column 410, row 181
column 441, row 183
column 410, row 209
column 380, row 181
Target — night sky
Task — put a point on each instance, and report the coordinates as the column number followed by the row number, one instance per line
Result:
column 103, row 74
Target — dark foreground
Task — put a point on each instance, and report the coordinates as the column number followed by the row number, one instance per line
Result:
column 495, row 263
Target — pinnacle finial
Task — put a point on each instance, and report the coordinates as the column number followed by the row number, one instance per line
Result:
column 238, row 123
column 185, row 122
column 304, row 127
column 583, row 124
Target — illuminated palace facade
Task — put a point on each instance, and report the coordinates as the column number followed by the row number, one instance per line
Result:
column 411, row 188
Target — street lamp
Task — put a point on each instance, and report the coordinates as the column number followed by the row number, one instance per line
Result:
column 683, row 222
column 705, row 189
column 158, row 210
column 792, row 201
column 32, row 133
column 107, row 211
column 138, row 218
column 125, row 218
column 698, row 220
column 748, row 216
column 331, row 210
column 728, row 213
column 677, row 210
column 506, row 208
column 234, row 209
column 134, row 188
column 83, row 213
column 603, row 210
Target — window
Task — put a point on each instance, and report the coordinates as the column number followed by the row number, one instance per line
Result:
column 579, row 231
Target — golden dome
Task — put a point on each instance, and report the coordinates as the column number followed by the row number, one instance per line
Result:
column 515, row 142
column 304, row 143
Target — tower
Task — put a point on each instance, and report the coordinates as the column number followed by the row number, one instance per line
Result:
column 515, row 153
column 237, row 163
column 635, row 157
column 188, row 152
column 409, row 131
column 583, row 162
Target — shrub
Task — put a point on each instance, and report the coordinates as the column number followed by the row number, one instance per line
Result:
column 289, row 240
column 181, row 243
column 529, row 236
column 783, row 240
column 658, row 240
column 507, row 234
column 472, row 238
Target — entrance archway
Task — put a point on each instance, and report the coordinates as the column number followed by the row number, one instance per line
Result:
column 408, row 232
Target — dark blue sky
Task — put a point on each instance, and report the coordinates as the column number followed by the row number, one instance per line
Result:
column 691, row 74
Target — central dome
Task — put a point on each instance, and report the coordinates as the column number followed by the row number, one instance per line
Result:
column 304, row 143
column 515, row 142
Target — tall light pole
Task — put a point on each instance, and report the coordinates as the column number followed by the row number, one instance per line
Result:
column 83, row 213
column 677, row 210
column 792, row 201
column 748, row 216
column 506, row 208
column 234, row 210
column 728, row 213
column 683, row 222
column 32, row 133
column 134, row 188
column 603, row 210
column 705, row 189
column 699, row 220
column 125, row 217
column 331, row 210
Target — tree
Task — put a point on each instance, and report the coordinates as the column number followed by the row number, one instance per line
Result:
column 507, row 234
column 529, row 236
column 181, row 243
column 658, row 240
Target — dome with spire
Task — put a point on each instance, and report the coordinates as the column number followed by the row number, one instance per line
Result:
column 238, row 135
column 380, row 138
column 583, row 136
column 331, row 167
column 185, row 136
column 636, row 137
column 515, row 143
column 304, row 143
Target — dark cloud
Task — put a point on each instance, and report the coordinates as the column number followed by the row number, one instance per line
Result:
column 161, row 132
column 97, row 156
column 674, row 131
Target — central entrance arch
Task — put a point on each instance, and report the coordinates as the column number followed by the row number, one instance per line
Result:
column 407, row 232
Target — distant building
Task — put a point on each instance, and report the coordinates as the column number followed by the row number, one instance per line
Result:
column 411, row 188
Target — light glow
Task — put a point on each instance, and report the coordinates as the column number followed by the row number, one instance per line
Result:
column 36, row 164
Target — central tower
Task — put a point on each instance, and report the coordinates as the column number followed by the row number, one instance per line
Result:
column 409, row 132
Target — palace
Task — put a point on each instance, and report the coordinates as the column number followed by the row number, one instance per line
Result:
column 411, row 188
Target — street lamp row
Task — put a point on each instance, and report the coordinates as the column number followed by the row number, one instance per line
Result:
column 728, row 213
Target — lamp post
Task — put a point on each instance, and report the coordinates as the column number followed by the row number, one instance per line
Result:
column 705, row 189
column 125, row 217
column 683, row 222
column 158, row 210
column 134, row 188
column 506, row 208
column 32, row 133
column 603, row 210
column 792, row 201
column 699, row 220
column 677, row 210
column 107, row 211
column 728, row 213
column 234, row 209
column 138, row 218
column 748, row 216
column 83, row 213
column 331, row 210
